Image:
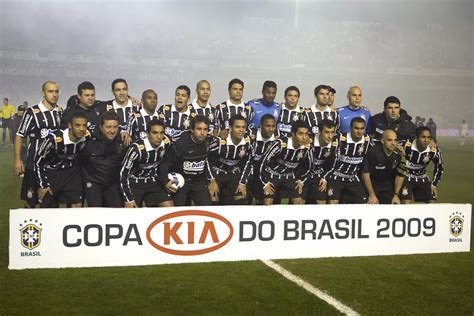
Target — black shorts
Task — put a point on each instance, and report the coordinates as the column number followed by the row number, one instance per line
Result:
column 153, row 194
column 66, row 185
column 356, row 191
column 228, row 184
column 284, row 188
column 99, row 196
column 312, row 194
column 384, row 192
column 29, row 188
column 255, row 188
column 196, row 192
column 6, row 123
column 419, row 191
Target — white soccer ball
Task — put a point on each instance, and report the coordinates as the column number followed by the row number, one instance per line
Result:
column 177, row 180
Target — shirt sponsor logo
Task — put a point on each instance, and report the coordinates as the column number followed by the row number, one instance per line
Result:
column 193, row 166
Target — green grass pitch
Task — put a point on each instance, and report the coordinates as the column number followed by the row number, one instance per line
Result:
column 412, row 284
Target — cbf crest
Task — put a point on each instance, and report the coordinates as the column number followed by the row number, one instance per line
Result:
column 456, row 223
column 30, row 233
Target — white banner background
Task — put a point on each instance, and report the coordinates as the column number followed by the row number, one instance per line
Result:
column 330, row 232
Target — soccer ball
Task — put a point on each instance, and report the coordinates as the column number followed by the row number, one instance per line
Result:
column 177, row 180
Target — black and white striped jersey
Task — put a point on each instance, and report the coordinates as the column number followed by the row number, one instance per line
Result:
column 122, row 111
column 57, row 152
column 287, row 118
column 417, row 161
column 137, row 123
column 227, row 158
column 225, row 110
column 283, row 161
column 176, row 122
column 37, row 123
column 259, row 147
column 208, row 111
column 322, row 157
column 313, row 116
column 349, row 158
column 140, row 165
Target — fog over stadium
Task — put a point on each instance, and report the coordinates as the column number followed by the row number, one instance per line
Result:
column 419, row 51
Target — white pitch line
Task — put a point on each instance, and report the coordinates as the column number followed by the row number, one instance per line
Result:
column 308, row 287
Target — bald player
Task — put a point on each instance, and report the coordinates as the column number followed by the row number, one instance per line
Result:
column 354, row 109
column 384, row 171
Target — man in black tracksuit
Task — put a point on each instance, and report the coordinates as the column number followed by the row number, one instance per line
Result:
column 101, row 160
column 188, row 156
column 394, row 118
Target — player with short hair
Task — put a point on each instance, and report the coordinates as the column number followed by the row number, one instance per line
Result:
column 260, row 139
column 266, row 104
column 290, row 111
column 320, row 110
column 354, row 109
column 418, row 154
column 138, row 120
column 331, row 96
column 394, row 118
column 122, row 104
column 188, row 156
column 384, row 170
column 37, row 123
column 177, row 117
column 234, row 105
column 230, row 163
column 84, row 102
column 57, row 167
column 349, row 157
column 286, row 165
column 139, row 178
column 324, row 146
column 101, row 160
column 202, row 106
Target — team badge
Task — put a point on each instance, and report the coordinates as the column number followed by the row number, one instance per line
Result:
column 211, row 117
column 29, row 193
column 456, row 224
column 186, row 123
column 405, row 191
column 143, row 135
column 300, row 155
column 88, row 185
column 275, row 113
column 360, row 151
column 327, row 154
column 426, row 159
column 141, row 147
column 295, row 117
column 30, row 234
column 242, row 152
column 109, row 107
column 243, row 113
column 330, row 192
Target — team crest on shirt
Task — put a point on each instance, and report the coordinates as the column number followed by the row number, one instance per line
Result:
column 143, row 135
column 186, row 123
column 327, row 154
column 295, row 117
column 360, row 151
column 29, row 193
column 242, row 152
column 109, row 107
column 426, row 159
column 330, row 192
column 243, row 113
column 211, row 116
column 300, row 155
column 275, row 113
column 162, row 153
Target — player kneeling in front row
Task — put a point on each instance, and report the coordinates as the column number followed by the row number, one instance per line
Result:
column 57, row 167
column 418, row 155
column 384, row 170
column 348, row 161
column 230, row 163
column 139, row 173
column 286, row 165
column 188, row 157
column 323, row 149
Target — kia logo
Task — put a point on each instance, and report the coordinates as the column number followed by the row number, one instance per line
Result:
column 189, row 233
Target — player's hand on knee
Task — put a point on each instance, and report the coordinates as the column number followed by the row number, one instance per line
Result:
column 268, row 188
column 242, row 189
column 213, row 190
column 299, row 186
column 373, row 199
column 396, row 200
column 42, row 193
column 323, row 184
column 131, row 204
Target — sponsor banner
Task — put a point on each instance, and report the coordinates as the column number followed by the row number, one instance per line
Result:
column 95, row 237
